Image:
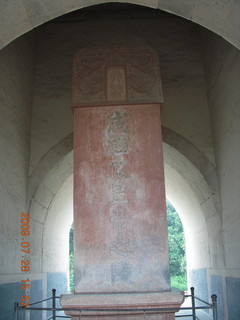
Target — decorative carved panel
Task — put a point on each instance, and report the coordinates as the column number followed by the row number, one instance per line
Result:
column 116, row 75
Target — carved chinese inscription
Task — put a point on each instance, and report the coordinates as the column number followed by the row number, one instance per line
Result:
column 116, row 84
column 117, row 142
column 119, row 222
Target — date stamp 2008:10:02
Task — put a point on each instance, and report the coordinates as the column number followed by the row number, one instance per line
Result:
column 25, row 263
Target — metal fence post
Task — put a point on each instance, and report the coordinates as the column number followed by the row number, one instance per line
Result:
column 193, row 303
column 16, row 305
column 54, row 304
column 214, row 305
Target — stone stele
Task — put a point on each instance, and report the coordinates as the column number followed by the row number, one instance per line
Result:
column 121, row 260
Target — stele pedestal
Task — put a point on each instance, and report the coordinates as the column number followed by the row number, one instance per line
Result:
column 121, row 260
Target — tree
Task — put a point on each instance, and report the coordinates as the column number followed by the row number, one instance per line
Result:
column 176, row 244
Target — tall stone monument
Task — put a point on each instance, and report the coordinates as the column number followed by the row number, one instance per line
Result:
column 120, row 229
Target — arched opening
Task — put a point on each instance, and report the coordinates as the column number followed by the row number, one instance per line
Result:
column 177, row 254
column 184, row 196
column 211, row 16
column 186, row 187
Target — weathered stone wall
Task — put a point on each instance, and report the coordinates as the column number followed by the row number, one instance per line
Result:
column 222, row 72
column 16, row 83
column 16, row 80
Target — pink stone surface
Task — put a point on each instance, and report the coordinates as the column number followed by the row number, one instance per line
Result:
column 124, row 306
column 124, row 300
column 122, row 316
column 120, row 226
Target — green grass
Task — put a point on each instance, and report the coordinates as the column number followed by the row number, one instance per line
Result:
column 179, row 282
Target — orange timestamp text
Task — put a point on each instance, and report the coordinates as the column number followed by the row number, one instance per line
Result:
column 25, row 264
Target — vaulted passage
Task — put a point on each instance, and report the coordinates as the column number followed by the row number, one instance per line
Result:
column 200, row 129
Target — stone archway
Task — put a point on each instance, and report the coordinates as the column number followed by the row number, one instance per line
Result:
column 223, row 105
column 186, row 189
column 218, row 16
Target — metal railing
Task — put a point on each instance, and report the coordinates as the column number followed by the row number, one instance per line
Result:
column 193, row 308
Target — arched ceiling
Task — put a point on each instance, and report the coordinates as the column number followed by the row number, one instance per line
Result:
column 20, row 16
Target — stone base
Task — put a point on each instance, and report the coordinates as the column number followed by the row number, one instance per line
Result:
column 150, row 305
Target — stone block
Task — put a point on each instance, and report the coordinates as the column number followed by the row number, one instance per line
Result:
column 209, row 207
column 198, row 280
column 36, row 11
column 205, row 190
column 217, row 288
column 232, row 27
column 123, row 305
column 43, row 196
column 67, row 170
column 13, row 20
column 213, row 14
column 38, row 212
column 233, row 292
column 183, row 8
